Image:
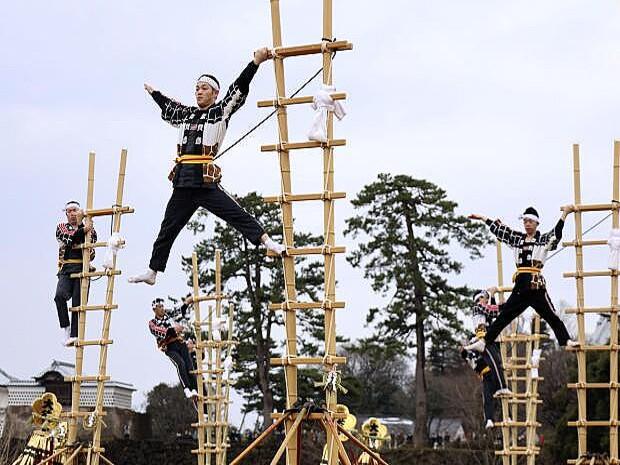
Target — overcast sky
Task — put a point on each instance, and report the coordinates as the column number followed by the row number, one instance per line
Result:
column 482, row 98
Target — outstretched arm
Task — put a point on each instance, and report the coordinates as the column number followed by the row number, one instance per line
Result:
column 552, row 238
column 172, row 111
column 503, row 233
column 238, row 90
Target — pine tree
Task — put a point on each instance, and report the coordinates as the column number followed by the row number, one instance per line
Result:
column 253, row 280
column 406, row 227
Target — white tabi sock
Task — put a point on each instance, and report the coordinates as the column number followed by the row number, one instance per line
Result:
column 147, row 277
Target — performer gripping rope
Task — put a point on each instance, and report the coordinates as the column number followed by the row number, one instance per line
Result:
column 69, row 234
column 530, row 290
column 169, row 341
column 488, row 364
column 195, row 178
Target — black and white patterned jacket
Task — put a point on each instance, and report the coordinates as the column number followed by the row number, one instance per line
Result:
column 528, row 252
column 69, row 236
column 202, row 131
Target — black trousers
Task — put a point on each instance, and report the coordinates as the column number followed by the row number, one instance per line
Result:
column 182, row 205
column 179, row 356
column 520, row 299
column 67, row 288
column 493, row 380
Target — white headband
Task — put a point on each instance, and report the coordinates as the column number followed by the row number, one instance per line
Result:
column 529, row 216
column 71, row 205
column 480, row 295
column 210, row 81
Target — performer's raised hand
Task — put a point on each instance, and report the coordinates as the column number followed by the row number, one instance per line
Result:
column 148, row 88
column 475, row 216
column 262, row 54
column 566, row 210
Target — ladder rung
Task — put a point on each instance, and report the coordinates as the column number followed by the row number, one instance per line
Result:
column 590, row 274
column 524, row 401
column 94, row 274
column 202, row 298
column 93, row 245
column 108, row 211
column 584, row 243
column 299, row 50
column 324, row 250
column 80, row 414
column 525, row 337
column 587, row 348
column 524, row 378
column 329, row 360
column 215, row 344
column 209, row 450
column 207, row 372
column 204, row 424
column 609, row 385
column 311, row 144
column 287, row 198
column 215, row 402
column 96, row 342
column 606, row 423
column 518, row 423
column 611, row 309
column 287, row 306
column 88, row 308
column 526, row 366
column 83, row 378
column 297, row 100
column 518, row 452
column 595, row 207
column 312, row 416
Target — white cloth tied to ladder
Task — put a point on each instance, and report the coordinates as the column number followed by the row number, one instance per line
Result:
column 219, row 326
column 614, row 249
column 228, row 366
column 115, row 243
column 535, row 361
column 322, row 103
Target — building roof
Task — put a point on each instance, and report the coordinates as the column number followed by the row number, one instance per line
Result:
column 5, row 378
column 64, row 368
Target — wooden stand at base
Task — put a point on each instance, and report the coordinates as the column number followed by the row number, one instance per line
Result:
column 93, row 421
column 582, row 384
column 519, row 411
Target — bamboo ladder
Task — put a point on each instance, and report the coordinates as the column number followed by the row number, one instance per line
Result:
column 521, row 373
column 212, row 426
column 582, row 386
column 93, row 420
column 295, row 414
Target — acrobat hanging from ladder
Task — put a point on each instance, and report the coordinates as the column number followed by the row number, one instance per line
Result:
column 195, row 177
column 530, row 250
column 488, row 364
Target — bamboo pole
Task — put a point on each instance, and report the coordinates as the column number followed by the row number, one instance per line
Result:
column 107, row 314
column 260, row 439
column 199, row 359
column 613, row 324
column 582, row 431
column 290, row 319
column 84, row 285
column 290, row 435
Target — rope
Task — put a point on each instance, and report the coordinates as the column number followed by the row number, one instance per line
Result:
column 598, row 223
column 261, row 122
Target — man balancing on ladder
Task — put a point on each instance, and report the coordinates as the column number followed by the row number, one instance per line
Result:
column 195, row 178
column 530, row 290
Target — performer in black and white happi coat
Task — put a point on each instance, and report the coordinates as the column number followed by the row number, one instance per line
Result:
column 195, row 178
column 488, row 363
column 70, row 234
column 530, row 289
column 169, row 338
